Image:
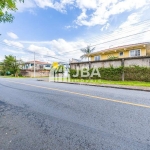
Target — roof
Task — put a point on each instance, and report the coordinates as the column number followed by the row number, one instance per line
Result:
column 75, row 60
column 107, row 60
column 124, row 47
column 37, row 62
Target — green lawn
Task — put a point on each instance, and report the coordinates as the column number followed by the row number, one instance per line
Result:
column 11, row 77
column 91, row 81
column 129, row 83
column 20, row 77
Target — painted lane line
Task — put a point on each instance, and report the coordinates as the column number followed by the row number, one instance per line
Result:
column 85, row 95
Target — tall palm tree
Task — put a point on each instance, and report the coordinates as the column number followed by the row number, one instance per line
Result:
column 87, row 51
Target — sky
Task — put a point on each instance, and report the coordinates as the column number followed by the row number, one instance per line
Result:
column 56, row 30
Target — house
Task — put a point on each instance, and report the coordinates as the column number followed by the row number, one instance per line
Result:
column 38, row 65
column 132, row 50
column 41, row 69
column 65, row 64
column 127, row 55
column 74, row 60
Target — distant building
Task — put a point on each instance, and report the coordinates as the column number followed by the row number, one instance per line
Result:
column 42, row 69
column 38, row 65
column 74, row 60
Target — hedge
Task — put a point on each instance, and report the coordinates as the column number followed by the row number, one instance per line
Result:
column 137, row 73
column 133, row 73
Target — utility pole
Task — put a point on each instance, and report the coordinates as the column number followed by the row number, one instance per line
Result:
column 34, row 64
column 15, row 66
column 122, row 64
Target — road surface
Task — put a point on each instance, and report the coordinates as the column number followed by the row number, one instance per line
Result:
column 37, row 115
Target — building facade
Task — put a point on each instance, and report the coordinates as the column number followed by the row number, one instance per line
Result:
column 127, row 51
column 129, row 55
column 42, row 69
column 38, row 65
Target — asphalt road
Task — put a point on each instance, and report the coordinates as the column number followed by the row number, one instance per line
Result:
column 37, row 115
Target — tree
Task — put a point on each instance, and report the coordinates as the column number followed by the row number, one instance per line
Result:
column 87, row 51
column 1, row 66
column 112, row 58
column 5, row 6
column 11, row 65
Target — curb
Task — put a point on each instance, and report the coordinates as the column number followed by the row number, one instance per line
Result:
column 111, row 86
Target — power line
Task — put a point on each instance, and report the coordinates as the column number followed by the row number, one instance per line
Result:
column 25, row 50
column 79, row 49
column 120, row 31
column 124, row 29
column 145, row 22
column 45, row 56
column 76, row 49
column 122, row 37
column 110, row 41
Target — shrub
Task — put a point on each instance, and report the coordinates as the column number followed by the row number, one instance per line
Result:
column 132, row 73
column 136, row 73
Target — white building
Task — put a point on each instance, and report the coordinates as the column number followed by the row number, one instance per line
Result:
column 38, row 65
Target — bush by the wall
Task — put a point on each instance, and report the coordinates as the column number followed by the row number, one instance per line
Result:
column 136, row 73
column 106, row 73
column 111, row 73
column 133, row 73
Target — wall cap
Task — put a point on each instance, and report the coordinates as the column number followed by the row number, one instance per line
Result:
column 118, row 59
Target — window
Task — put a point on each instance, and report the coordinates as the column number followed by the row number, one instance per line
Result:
column 97, row 58
column 32, row 64
column 47, row 65
column 134, row 53
column 121, row 54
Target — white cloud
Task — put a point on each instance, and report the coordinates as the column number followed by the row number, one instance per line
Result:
column 62, row 49
column 15, row 44
column 1, row 58
column 67, row 27
column 132, row 19
column 106, row 8
column 65, row 50
column 27, row 5
column 30, row 57
column 127, row 28
column 61, row 46
column 13, row 51
column 74, row 26
column 100, row 10
column 87, row 4
column 60, row 6
column 41, row 50
column 12, row 35
column 31, row 11
column 105, row 27
column 44, row 3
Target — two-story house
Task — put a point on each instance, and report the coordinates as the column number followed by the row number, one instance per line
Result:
column 41, row 69
column 127, row 55
column 133, row 50
column 38, row 65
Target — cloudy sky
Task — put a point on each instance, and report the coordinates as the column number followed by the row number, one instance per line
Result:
column 60, row 28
